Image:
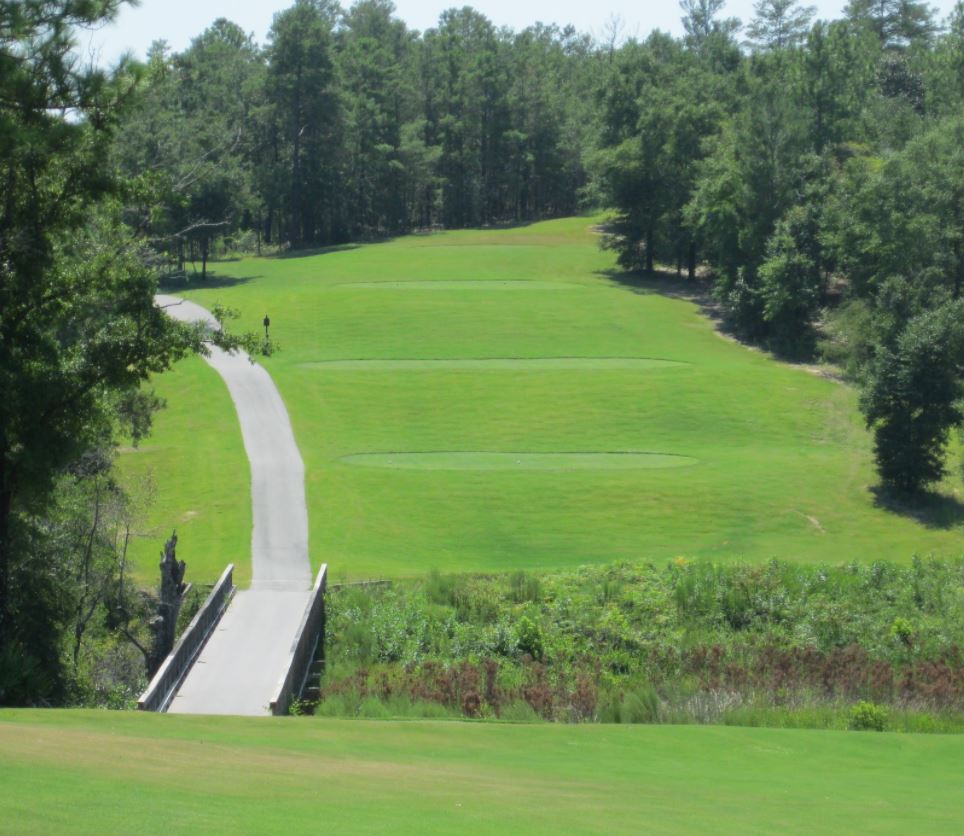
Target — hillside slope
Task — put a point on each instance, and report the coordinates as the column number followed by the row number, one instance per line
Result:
column 446, row 389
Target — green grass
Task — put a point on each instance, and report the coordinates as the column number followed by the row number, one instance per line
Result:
column 96, row 772
column 783, row 466
column 194, row 464
column 519, row 461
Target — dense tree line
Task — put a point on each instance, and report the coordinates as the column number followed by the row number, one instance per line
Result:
column 818, row 172
column 79, row 337
column 347, row 124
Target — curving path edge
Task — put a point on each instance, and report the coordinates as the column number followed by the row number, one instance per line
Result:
column 241, row 664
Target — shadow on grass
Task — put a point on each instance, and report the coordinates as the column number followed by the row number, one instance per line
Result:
column 699, row 291
column 499, row 225
column 668, row 283
column 332, row 248
column 493, row 226
column 929, row 508
column 214, row 281
column 388, row 237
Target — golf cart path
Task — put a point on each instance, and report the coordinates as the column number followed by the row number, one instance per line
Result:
column 240, row 666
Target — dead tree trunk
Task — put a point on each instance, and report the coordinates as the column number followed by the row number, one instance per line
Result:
column 164, row 624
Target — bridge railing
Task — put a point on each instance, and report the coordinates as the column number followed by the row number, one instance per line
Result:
column 310, row 632
column 172, row 671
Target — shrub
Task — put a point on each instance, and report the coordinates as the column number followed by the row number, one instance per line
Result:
column 530, row 638
column 339, row 705
column 641, row 705
column 583, row 700
column 902, row 630
column 781, row 639
column 524, row 588
column 300, row 708
column 441, row 589
column 737, row 607
column 867, row 716
column 373, row 708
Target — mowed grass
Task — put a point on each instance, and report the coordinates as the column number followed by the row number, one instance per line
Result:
column 97, row 772
column 195, row 468
column 410, row 347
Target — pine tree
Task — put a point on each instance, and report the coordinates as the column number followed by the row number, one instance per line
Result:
column 895, row 22
column 778, row 24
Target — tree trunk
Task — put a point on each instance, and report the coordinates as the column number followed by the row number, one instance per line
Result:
column 691, row 262
column 296, row 196
column 205, row 245
column 6, row 512
column 649, row 252
column 164, row 625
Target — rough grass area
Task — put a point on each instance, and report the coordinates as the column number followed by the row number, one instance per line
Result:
column 775, row 645
column 94, row 772
column 784, row 464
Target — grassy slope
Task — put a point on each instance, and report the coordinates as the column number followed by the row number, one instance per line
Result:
column 120, row 772
column 784, row 462
column 198, row 470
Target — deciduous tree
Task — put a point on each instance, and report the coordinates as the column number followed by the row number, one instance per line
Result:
column 914, row 397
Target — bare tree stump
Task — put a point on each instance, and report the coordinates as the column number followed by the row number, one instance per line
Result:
column 164, row 624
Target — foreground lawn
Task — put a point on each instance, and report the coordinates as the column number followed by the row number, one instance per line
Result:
column 445, row 390
column 100, row 772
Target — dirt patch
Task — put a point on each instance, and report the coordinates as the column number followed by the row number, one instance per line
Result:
column 813, row 521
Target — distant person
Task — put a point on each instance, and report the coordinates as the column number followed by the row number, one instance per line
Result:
column 267, row 323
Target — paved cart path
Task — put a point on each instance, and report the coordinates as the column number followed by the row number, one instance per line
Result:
column 239, row 668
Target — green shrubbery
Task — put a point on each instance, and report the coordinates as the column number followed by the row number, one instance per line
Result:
column 632, row 643
column 529, row 641
column 867, row 716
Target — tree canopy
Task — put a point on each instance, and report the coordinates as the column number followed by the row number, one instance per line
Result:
column 79, row 331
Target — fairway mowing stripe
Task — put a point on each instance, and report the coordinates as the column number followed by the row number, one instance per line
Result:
column 468, row 284
column 497, row 363
column 474, row 460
